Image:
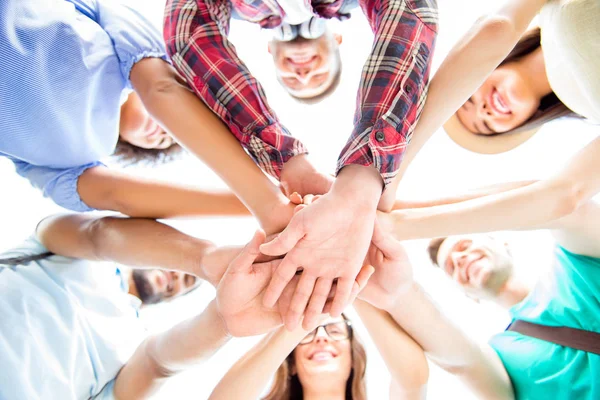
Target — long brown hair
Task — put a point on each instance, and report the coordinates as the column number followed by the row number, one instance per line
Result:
column 550, row 106
column 287, row 386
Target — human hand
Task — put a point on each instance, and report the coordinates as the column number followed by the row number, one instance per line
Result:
column 299, row 175
column 393, row 270
column 239, row 293
column 328, row 240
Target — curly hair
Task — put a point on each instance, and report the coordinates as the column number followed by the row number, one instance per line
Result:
column 127, row 154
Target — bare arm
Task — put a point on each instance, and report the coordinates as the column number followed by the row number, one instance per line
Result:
column 249, row 377
column 107, row 189
column 403, row 357
column 531, row 207
column 463, row 70
column 129, row 241
column 162, row 356
column 201, row 132
column 477, row 366
column 457, row 198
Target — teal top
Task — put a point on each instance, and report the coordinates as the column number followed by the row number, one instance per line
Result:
column 569, row 296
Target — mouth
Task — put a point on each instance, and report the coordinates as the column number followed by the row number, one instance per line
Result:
column 322, row 355
column 498, row 103
column 473, row 269
column 301, row 59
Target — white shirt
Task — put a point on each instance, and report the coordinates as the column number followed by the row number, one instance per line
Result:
column 67, row 327
column 571, row 46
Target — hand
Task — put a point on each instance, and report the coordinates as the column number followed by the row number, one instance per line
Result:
column 299, row 175
column 240, row 290
column 392, row 270
column 328, row 240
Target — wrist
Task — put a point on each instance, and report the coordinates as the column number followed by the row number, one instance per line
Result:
column 403, row 297
column 362, row 184
column 217, row 322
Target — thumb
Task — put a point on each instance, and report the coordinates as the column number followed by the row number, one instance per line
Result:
column 246, row 258
column 285, row 241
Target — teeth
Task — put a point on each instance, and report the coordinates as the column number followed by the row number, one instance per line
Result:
column 322, row 355
column 499, row 104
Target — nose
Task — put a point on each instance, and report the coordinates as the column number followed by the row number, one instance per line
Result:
column 321, row 336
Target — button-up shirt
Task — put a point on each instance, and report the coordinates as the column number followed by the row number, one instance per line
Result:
column 64, row 71
column 67, row 327
column 390, row 98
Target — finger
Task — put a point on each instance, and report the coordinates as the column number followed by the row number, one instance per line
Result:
column 308, row 199
column 248, row 255
column 285, row 241
column 301, row 296
column 317, row 302
column 342, row 295
column 296, row 198
column 281, row 276
column 361, row 281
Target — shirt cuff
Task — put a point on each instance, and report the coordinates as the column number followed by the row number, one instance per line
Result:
column 273, row 147
column 380, row 146
column 128, row 64
column 63, row 191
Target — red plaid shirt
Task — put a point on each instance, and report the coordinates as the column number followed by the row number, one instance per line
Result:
column 390, row 99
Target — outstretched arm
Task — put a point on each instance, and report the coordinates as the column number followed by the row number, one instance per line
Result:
column 163, row 356
column 249, row 377
column 401, row 203
column 464, row 69
column 409, row 371
column 136, row 242
column 477, row 366
column 530, row 207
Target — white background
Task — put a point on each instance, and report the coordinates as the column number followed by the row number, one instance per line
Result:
column 442, row 167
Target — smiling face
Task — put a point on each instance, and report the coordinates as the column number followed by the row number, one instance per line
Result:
column 306, row 68
column 157, row 285
column 324, row 361
column 505, row 101
column 138, row 128
column 480, row 264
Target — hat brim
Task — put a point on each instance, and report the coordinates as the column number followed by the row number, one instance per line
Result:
column 484, row 144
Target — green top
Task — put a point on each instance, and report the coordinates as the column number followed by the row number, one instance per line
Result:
column 569, row 296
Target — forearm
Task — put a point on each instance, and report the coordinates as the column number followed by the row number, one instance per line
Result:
column 134, row 242
column 449, row 347
column 410, row 372
column 457, row 198
column 163, row 356
column 462, row 72
column 107, row 189
column 201, row 132
column 530, row 207
column 251, row 374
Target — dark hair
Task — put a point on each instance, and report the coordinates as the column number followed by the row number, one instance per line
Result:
column 23, row 260
column 332, row 87
column 287, row 386
column 434, row 248
column 127, row 154
column 550, row 106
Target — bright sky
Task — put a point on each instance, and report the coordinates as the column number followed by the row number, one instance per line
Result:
column 442, row 167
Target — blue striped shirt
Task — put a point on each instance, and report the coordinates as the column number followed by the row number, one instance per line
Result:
column 65, row 68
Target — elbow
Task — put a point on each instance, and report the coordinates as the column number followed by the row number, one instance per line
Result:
column 496, row 29
column 570, row 197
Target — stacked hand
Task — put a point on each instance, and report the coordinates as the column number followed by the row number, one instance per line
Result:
column 393, row 271
column 240, row 291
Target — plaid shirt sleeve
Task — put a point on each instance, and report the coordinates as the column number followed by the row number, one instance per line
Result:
column 393, row 84
column 195, row 33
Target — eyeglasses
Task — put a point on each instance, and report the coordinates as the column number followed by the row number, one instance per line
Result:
column 336, row 331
